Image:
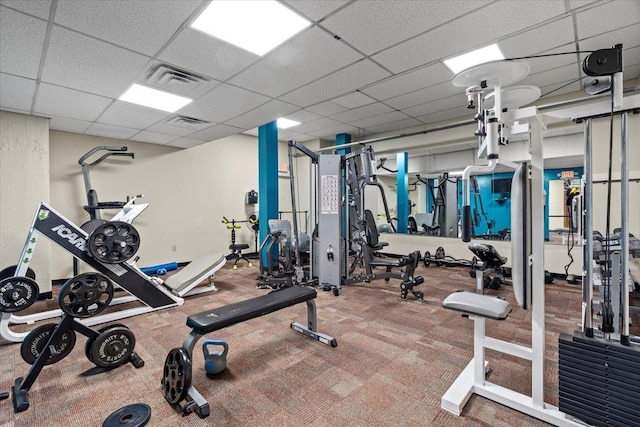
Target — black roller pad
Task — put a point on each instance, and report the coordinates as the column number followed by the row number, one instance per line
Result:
column 222, row 317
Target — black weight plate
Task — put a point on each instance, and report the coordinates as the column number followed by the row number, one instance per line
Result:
column 134, row 415
column 86, row 295
column 17, row 293
column 89, row 226
column 11, row 270
column 440, row 256
column 427, row 259
column 89, row 343
column 176, row 379
column 114, row 242
column 112, row 347
column 35, row 342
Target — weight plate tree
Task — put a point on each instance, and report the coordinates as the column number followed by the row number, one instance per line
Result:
column 112, row 347
column 17, row 293
column 86, row 295
column 114, row 242
column 35, row 342
column 176, row 379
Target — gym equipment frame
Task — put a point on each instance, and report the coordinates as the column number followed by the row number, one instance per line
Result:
column 152, row 292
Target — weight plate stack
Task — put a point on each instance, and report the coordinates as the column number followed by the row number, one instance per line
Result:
column 134, row 415
column 36, row 340
column 17, row 293
column 176, row 379
column 86, row 295
column 114, row 242
column 91, row 340
column 112, row 347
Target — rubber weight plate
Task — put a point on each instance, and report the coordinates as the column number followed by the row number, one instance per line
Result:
column 440, row 254
column 427, row 259
column 86, row 295
column 11, row 271
column 17, row 293
column 35, row 342
column 176, row 379
column 114, row 242
column 90, row 341
column 112, row 347
column 134, row 415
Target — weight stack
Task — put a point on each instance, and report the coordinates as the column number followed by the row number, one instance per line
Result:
column 599, row 380
column 316, row 261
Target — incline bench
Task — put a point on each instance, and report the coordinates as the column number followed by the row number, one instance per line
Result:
column 176, row 380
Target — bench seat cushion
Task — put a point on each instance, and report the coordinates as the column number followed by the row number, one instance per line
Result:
column 221, row 317
column 477, row 304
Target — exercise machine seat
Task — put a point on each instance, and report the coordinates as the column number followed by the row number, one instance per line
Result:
column 222, row 317
column 193, row 272
column 478, row 305
column 238, row 246
column 372, row 232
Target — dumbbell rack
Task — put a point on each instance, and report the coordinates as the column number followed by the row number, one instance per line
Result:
column 82, row 296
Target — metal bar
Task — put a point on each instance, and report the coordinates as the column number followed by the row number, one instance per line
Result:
column 587, row 243
column 624, row 241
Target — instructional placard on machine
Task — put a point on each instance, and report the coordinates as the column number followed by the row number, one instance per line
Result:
column 330, row 197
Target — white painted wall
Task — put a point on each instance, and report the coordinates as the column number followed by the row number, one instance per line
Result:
column 24, row 183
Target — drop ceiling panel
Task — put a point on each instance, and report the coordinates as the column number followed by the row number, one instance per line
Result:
column 21, row 42
column 408, row 82
column 169, row 129
column 309, row 56
column 632, row 72
column 206, row 55
column 16, row 92
column 108, row 131
column 38, row 8
column 266, row 113
column 62, row 102
column 90, row 65
column 400, row 124
column 186, row 143
column 142, row 26
column 628, row 36
column 436, row 106
column 313, row 125
column 331, row 132
column 392, row 116
column 362, row 112
column 448, row 40
column 631, row 56
column 556, row 75
column 439, row 91
column 390, row 22
column 302, row 116
column 354, row 100
column 561, row 88
column 325, row 108
column 223, row 103
column 68, row 125
column 314, row 9
column 543, row 38
column 215, row 132
column 574, row 4
column 345, row 80
column 537, row 65
column 289, row 135
column 131, row 115
column 616, row 14
column 460, row 113
column 154, row 137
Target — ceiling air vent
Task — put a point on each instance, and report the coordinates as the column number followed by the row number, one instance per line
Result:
column 187, row 123
column 171, row 79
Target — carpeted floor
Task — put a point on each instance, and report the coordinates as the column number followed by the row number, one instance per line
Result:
column 394, row 361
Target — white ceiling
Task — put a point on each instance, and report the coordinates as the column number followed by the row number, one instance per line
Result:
column 363, row 67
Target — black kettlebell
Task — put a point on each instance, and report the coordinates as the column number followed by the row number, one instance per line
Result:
column 215, row 361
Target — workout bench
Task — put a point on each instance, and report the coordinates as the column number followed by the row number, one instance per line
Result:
column 176, row 380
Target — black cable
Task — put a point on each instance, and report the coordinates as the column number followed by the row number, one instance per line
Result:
column 549, row 54
column 607, row 310
column 570, row 243
column 562, row 87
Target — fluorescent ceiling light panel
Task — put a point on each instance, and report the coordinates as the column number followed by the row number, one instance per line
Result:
column 154, row 98
column 286, row 123
column 475, row 57
column 256, row 26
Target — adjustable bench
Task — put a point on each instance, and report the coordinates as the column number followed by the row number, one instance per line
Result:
column 192, row 274
column 473, row 304
column 176, row 380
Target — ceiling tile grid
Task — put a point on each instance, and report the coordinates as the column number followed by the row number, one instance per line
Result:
column 109, row 131
column 68, row 125
column 215, row 132
column 326, row 108
column 21, row 42
column 314, row 9
column 143, row 26
column 303, row 59
column 336, row 84
column 131, row 115
column 16, row 92
column 83, row 63
column 439, row 91
column 154, row 137
column 223, row 103
column 603, row 18
column 409, row 82
column 186, row 142
column 368, row 122
column 265, row 113
column 388, row 127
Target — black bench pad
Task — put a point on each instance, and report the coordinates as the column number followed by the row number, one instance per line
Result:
column 221, row 317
